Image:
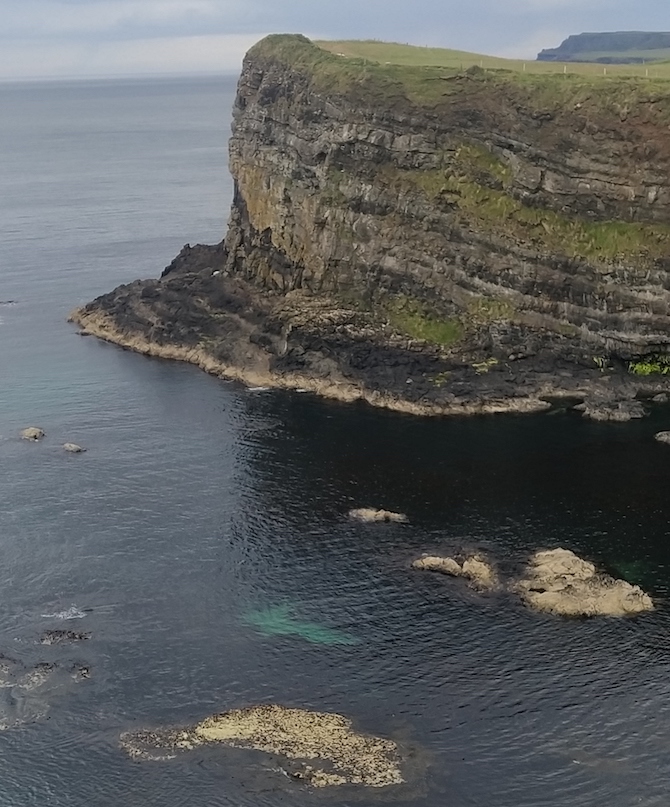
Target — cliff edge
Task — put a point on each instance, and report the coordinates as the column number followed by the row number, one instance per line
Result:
column 431, row 240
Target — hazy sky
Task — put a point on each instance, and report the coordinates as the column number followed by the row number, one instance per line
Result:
column 116, row 37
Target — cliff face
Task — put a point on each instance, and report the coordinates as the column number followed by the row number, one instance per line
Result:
column 431, row 240
column 610, row 47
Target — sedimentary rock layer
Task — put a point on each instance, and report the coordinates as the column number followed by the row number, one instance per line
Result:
column 431, row 240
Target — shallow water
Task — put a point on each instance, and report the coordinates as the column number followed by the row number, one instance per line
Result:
column 199, row 503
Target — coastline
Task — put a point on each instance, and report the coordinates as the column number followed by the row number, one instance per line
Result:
column 103, row 327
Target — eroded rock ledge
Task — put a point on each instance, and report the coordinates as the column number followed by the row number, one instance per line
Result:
column 431, row 241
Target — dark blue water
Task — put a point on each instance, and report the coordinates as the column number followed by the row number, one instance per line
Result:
column 200, row 505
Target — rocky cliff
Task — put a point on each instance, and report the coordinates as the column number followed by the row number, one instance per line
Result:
column 620, row 47
column 426, row 239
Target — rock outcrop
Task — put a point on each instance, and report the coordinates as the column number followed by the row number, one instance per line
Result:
column 63, row 636
column 427, row 240
column 559, row 582
column 33, row 433
column 370, row 515
column 473, row 568
column 337, row 754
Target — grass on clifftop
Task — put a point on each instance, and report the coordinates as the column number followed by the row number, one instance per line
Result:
column 386, row 74
column 394, row 53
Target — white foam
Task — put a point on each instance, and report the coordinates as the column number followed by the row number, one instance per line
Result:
column 70, row 613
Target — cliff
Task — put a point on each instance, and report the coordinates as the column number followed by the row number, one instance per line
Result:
column 427, row 239
column 620, row 47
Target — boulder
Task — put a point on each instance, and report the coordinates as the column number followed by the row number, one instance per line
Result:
column 73, row 448
column 33, row 433
column 370, row 515
column 559, row 582
column 662, row 437
column 474, row 568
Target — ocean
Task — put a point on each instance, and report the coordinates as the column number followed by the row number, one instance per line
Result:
column 203, row 541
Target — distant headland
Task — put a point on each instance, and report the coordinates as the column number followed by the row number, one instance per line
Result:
column 620, row 47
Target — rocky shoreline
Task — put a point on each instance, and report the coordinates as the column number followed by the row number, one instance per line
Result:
column 494, row 248
column 234, row 330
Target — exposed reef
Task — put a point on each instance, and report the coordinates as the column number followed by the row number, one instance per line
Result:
column 32, row 433
column 27, row 691
column 63, row 636
column 427, row 240
column 328, row 750
column 73, row 448
column 555, row 581
column 559, row 582
column 370, row 515
column 473, row 568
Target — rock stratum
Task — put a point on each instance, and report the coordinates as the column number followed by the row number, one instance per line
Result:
column 429, row 240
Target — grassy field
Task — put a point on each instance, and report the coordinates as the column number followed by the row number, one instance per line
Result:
column 412, row 55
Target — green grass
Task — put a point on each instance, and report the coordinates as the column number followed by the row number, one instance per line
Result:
column 650, row 365
column 410, row 318
column 392, row 75
column 652, row 55
column 393, row 53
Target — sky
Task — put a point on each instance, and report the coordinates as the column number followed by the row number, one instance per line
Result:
column 89, row 38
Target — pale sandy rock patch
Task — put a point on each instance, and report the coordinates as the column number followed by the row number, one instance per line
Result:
column 474, row 568
column 336, row 753
column 559, row 582
column 370, row 515
column 33, row 433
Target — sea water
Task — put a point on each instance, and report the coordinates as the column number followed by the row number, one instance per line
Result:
column 203, row 540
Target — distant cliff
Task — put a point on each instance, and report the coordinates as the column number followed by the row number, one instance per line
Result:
column 429, row 240
column 621, row 47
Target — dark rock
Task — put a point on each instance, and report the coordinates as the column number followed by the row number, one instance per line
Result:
column 62, row 636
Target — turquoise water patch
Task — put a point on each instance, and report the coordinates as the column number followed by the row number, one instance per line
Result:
column 278, row 620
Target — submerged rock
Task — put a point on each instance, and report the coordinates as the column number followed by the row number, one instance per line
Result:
column 61, row 636
column 369, row 515
column 662, row 437
column 33, row 433
column 474, row 568
column 612, row 411
column 559, row 582
column 338, row 754
column 73, row 448
column 27, row 692
column 279, row 620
